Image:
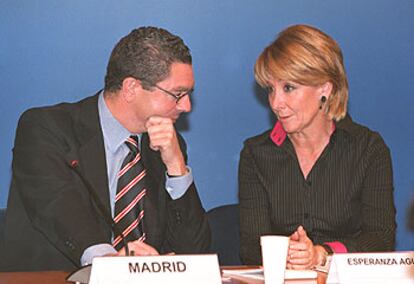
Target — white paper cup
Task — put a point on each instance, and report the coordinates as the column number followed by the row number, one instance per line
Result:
column 274, row 254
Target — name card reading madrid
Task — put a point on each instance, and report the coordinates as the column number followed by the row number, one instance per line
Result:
column 182, row 269
column 155, row 267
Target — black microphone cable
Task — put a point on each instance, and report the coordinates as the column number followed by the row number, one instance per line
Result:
column 74, row 164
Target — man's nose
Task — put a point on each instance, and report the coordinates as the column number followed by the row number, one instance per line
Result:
column 184, row 104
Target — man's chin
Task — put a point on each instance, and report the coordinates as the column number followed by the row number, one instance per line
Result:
column 175, row 118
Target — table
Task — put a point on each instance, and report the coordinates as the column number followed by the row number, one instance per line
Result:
column 43, row 277
column 58, row 277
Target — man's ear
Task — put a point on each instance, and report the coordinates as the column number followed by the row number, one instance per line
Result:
column 130, row 88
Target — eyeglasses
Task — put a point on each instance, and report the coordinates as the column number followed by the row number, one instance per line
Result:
column 176, row 97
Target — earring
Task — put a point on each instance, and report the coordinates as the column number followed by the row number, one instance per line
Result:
column 323, row 100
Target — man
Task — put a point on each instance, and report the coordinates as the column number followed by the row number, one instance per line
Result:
column 91, row 176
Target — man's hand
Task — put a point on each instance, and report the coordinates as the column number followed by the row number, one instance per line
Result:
column 163, row 138
column 138, row 248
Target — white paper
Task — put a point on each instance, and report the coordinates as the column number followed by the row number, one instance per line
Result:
column 258, row 273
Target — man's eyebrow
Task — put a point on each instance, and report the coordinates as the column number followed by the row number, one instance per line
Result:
column 183, row 89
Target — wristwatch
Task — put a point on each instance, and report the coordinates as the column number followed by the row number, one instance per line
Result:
column 327, row 248
column 326, row 263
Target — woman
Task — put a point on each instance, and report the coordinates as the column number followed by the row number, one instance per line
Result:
column 317, row 176
column 410, row 217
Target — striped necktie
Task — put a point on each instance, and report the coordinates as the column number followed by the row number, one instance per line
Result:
column 129, row 198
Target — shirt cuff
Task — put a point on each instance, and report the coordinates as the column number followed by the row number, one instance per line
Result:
column 337, row 247
column 94, row 251
column 177, row 186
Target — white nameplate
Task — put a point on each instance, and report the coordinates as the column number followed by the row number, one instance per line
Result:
column 393, row 267
column 156, row 269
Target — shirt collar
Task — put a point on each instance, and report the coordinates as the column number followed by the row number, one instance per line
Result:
column 278, row 134
column 114, row 133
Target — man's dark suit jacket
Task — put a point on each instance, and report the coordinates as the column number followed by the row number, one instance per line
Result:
column 51, row 218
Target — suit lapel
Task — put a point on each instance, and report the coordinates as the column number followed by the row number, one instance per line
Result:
column 93, row 164
column 91, row 151
column 151, row 159
column 154, row 224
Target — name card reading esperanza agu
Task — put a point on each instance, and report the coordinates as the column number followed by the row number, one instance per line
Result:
column 156, row 269
column 393, row 267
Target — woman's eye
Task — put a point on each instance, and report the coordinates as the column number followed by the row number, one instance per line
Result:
column 288, row 88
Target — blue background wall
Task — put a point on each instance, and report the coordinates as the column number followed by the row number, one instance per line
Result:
column 52, row 51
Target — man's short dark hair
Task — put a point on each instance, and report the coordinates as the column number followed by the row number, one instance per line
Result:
column 146, row 54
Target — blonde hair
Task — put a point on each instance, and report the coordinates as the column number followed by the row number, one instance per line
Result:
column 307, row 56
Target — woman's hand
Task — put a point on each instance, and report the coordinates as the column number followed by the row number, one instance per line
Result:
column 302, row 254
